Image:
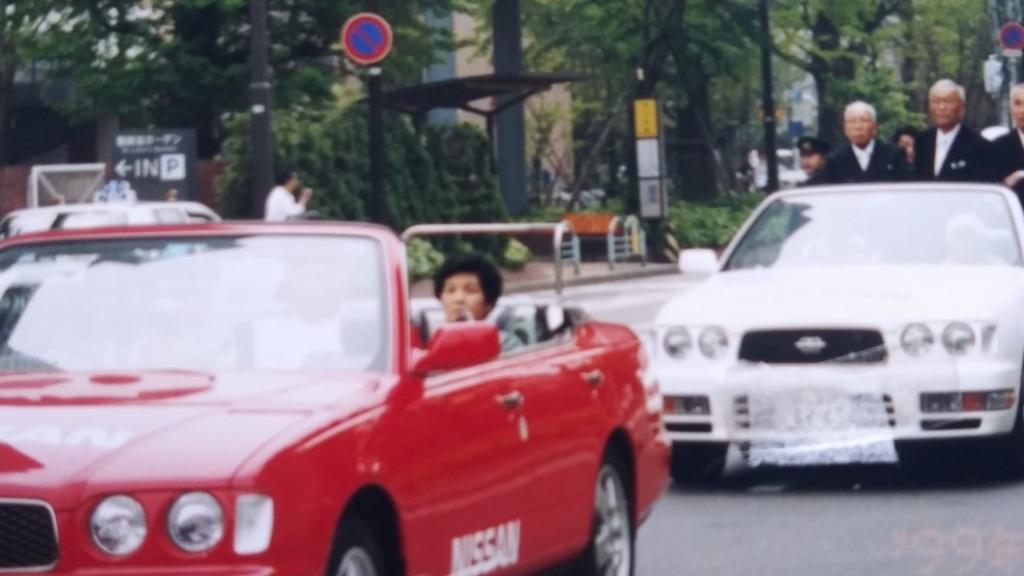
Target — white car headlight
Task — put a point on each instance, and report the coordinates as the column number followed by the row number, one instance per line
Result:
column 118, row 525
column 917, row 339
column 677, row 342
column 254, row 523
column 195, row 522
column 713, row 342
column 958, row 338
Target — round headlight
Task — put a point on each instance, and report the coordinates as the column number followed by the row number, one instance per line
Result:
column 713, row 342
column 917, row 339
column 958, row 338
column 118, row 525
column 677, row 342
column 196, row 522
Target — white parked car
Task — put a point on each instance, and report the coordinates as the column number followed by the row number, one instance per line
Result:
column 76, row 216
column 859, row 321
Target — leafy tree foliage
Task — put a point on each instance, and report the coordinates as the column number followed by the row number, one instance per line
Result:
column 185, row 62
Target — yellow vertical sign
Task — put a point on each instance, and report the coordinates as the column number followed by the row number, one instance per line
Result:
column 645, row 113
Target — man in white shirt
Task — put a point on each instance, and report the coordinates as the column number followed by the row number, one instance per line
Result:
column 281, row 204
column 950, row 151
column 864, row 159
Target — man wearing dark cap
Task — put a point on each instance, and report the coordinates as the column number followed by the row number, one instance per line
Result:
column 812, row 158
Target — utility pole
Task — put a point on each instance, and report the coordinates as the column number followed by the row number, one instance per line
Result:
column 260, row 144
column 768, row 101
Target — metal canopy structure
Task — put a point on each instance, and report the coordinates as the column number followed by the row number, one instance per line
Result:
column 461, row 93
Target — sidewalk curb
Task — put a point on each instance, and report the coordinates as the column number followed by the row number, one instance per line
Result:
column 571, row 280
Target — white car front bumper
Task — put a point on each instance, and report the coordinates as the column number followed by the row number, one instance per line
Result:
column 729, row 389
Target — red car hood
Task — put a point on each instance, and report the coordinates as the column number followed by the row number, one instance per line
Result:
column 63, row 436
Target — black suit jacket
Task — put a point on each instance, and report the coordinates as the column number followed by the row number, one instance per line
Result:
column 1011, row 158
column 887, row 164
column 971, row 158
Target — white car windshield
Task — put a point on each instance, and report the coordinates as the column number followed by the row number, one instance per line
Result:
column 861, row 228
column 274, row 303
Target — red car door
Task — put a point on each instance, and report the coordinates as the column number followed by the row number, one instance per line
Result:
column 563, row 383
column 472, row 462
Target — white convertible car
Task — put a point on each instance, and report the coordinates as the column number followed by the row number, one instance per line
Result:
column 853, row 321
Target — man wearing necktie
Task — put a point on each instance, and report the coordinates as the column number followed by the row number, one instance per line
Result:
column 950, row 151
column 1011, row 145
column 865, row 159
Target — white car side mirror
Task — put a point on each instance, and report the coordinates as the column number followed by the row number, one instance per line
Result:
column 698, row 262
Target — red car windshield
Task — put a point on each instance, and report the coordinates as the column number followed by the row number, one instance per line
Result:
column 274, row 303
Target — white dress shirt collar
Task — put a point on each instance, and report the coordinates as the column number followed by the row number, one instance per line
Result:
column 864, row 154
column 943, row 142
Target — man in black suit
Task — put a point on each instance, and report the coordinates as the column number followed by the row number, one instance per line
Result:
column 950, row 151
column 865, row 159
column 1011, row 146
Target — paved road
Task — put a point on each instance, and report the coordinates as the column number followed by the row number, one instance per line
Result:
column 961, row 516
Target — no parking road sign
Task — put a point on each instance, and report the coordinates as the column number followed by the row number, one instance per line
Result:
column 367, row 38
column 1011, row 38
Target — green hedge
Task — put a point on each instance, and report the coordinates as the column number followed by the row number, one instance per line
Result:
column 712, row 223
column 437, row 175
column 328, row 149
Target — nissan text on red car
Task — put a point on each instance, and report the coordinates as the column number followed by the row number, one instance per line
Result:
column 245, row 399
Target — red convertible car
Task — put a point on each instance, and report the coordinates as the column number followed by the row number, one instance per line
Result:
column 245, row 399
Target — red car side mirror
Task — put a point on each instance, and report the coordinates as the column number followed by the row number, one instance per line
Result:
column 459, row 345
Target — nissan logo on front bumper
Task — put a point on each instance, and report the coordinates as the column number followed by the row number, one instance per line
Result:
column 810, row 345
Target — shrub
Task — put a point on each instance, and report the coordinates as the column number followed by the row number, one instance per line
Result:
column 422, row 258
column 443, row 175
column 712, row 223
column 517, row 255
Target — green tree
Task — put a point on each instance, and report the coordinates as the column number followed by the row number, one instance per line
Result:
column 25, row 29
column 185, row 62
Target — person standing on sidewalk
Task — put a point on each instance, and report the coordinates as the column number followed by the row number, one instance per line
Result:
column 281, row 203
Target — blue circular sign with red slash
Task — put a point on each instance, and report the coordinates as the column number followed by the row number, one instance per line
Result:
column 367, row 38
column 1011, row 36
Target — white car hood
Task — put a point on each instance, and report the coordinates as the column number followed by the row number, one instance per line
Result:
column 852, row 296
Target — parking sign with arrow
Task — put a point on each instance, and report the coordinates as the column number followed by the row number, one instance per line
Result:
column 156, row 161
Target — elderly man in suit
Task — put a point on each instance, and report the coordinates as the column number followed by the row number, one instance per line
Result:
column 864, row 159
column 950, row 151
column 1010, row 146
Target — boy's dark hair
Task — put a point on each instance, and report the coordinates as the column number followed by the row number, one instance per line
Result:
column 282, row 174
column 473, row 263
column 904, row 131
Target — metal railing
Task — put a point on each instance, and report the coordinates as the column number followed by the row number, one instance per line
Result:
column 632, row 242
column 562, row 250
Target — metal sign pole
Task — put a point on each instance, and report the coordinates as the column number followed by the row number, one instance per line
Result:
column 367, row 39
column 378, row 198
